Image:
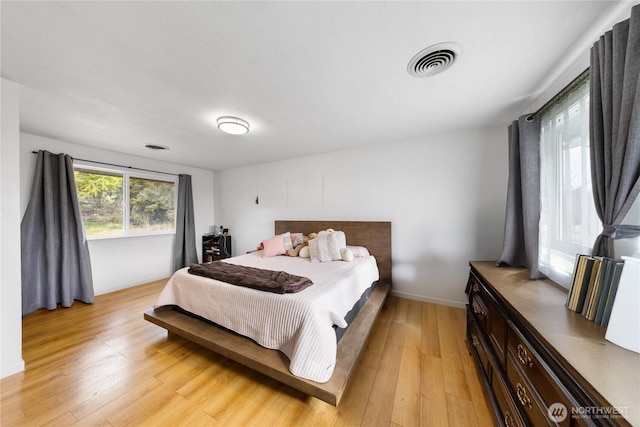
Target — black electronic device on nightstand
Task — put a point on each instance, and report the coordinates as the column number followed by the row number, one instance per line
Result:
column 215, row 247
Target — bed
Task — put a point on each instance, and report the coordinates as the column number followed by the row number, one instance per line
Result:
column 303, row 368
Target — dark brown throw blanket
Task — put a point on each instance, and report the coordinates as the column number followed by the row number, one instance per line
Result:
column 278, row 282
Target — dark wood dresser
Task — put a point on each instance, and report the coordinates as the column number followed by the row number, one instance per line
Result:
column 541, row 363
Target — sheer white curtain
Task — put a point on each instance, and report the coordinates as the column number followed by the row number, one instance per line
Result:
column 568, row 219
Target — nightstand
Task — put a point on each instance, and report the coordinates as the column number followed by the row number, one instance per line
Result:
column 216, row 247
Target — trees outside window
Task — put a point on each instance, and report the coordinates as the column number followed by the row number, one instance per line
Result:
column 116, row 204
column 151, row 205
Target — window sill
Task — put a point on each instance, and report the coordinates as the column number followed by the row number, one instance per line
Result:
column 130, row 236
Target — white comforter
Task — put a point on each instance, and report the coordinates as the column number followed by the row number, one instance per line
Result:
column 298, row 324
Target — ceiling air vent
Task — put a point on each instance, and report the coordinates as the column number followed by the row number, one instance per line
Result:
column 434, row 59
column 155, row 147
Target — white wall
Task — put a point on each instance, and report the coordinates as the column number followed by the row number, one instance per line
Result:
column 123, row 262
column 445, row 196
column 10, row 290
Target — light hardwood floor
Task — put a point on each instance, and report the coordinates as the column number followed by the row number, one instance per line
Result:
column 103, row 365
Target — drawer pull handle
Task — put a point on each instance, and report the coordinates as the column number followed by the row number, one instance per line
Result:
column 508, row 420
column 523, row 397
column 476, row 341
column 478, row 310
column 523, row 356
column 476, row 287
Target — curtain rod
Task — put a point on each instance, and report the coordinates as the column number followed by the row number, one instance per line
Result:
column 120, row 166
column 553, row 98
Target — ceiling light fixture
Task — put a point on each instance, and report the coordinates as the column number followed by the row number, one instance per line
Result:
column 233, row 125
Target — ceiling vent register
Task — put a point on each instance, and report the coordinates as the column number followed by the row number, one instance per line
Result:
column 155, row 147
column 434, row 59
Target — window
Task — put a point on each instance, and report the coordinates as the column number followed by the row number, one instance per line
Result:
column 569, row 223
column 116, row 204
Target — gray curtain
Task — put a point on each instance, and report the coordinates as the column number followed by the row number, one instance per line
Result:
column 56, row 268
column 615, row 129
column 184, row 247
column 520, row 247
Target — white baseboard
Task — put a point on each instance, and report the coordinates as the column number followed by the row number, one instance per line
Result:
column 14, row 368
column 439, row 301
column 131, row 285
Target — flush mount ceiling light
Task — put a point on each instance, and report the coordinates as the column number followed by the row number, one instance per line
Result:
column 434, row 59
column 233, row 125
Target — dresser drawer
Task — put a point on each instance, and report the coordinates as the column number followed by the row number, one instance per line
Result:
column 473, row 285
column 497, row 332
column 478, row 345
column 509, row 415
column 489, row 318
column 479, row 310
column 477, row 305
column 527, row 398
column 536, row 371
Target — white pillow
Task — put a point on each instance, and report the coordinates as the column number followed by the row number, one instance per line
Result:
column 347, row 255
column 297, row 239
column 325, row 247
column 288, row 244
column 339, row 235
column 304, row 252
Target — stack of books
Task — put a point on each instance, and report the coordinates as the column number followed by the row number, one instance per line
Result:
column 593, row 287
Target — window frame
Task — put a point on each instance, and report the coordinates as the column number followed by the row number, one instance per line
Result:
column 560, row 249
column 127, row 174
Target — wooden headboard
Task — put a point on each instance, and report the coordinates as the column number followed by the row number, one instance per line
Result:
column 374, row 235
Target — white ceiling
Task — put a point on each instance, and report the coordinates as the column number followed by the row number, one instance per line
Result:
column 310, row 77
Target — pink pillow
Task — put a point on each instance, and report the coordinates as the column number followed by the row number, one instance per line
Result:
column 359, row 251
column 274, row 246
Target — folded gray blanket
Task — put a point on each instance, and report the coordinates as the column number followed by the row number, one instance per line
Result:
column 278, row 282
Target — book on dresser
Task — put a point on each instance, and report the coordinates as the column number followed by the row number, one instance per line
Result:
column 593, row 286
column 611, row 294
column 581, row 282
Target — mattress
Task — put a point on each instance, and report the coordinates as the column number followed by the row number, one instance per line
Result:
column 301, row 325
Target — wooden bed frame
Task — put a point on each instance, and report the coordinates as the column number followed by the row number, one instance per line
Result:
column 376, row 237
